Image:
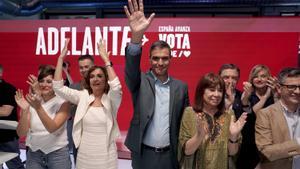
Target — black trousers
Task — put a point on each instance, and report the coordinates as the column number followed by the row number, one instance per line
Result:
column 152, row 160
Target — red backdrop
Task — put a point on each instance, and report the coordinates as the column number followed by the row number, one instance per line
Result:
column 200, row 45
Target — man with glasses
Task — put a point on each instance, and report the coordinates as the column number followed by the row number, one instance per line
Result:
column 278, row 126
column 158, row 99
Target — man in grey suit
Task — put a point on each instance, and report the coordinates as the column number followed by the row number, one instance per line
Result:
column 158, row 99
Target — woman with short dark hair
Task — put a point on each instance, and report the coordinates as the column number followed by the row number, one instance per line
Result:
column 43, row 122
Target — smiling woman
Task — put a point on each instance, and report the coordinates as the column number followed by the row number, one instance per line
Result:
column 43, row 121
column 95, row 127
column 208, row 134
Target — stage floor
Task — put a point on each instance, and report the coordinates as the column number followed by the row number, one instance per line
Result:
column 122, row 163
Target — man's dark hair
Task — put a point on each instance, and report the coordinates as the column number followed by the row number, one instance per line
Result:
column 160, row 45
column 45, row 70
column 229, row 66
column 288, row 72
column 83, row 57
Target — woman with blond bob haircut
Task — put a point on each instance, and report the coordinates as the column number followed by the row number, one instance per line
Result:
column 258, row 93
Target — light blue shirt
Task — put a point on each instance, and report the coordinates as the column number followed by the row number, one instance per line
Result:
column 293, row 121
column 157, row 134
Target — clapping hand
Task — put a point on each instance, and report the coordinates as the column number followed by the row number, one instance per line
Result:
column 34, row 84
column 236, row 127
column 248, row 88
column 21, row 101
column 273, row 84
column 202, row 126
column 34, row 100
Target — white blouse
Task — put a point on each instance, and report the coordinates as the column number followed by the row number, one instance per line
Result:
column 38, row 138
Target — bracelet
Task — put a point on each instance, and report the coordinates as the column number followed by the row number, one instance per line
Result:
column 233, row 142
column 110, row 64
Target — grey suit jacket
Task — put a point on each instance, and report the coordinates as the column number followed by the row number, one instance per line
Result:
column 273, row 139
column 142, row 88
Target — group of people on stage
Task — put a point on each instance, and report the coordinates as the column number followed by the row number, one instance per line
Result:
column 257, row 128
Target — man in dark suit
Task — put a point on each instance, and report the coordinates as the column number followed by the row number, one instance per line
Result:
column 230, row 73
column 158, row 99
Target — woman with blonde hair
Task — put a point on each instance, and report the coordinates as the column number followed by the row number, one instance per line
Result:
column 258, row 93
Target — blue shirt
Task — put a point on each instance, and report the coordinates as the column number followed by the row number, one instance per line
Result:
column 157, row 134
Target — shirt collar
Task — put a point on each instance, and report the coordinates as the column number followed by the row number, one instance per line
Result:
column 156, row 79
column 287, row 110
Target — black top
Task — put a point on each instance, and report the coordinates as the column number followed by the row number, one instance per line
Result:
column 7, row 93
column 248, row 156
column 237, row 104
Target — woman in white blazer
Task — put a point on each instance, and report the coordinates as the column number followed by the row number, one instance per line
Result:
column 95, row 127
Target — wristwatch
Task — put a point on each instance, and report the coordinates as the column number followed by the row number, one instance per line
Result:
column 109, row 64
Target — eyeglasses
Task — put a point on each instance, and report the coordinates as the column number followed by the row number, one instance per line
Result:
column 291, row 87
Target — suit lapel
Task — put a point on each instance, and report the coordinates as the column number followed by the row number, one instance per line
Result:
column 282, row 121
column 81, row 114
column 172, row 99
column 151, row 82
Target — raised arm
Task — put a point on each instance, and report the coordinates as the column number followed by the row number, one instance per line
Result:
column 138, row 24
column 105, row 57
column 60, row 61
column 115, row 91
column 137, row 21
column 66, row 71
column 67, row 93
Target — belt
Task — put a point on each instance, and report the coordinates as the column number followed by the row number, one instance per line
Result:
column 157, row 149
